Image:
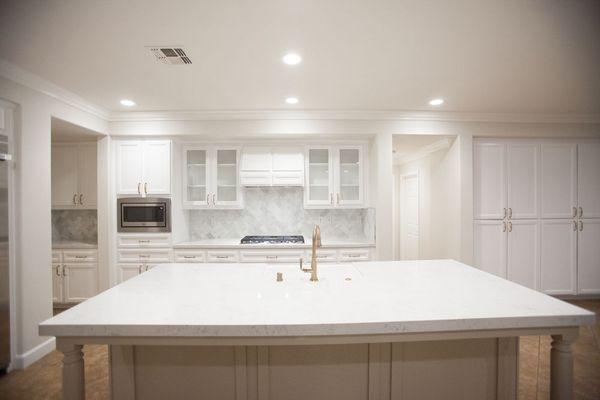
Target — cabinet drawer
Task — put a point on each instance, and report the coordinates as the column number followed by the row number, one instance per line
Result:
column 270, row 256
column 55, row 256
column 215, row 256
column 144, row 256
column 86, row 256
column 189, row 256
column 354, row 255
column 144, row 240
column 326, row 255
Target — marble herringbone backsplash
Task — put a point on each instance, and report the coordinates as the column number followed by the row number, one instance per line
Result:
column 75, row 225
column 280, row 211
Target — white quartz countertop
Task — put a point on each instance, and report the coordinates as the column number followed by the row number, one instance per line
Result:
column 244, row 300
column 235, row 244
column 73, row 245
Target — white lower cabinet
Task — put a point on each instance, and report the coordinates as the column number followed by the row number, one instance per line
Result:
column 140, row 252
column 74, row 275
column 588, row 243
column 558, row 256
column 490, row 246
column 522, row 261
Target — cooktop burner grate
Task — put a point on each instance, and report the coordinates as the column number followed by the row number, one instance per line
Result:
column 272, row 239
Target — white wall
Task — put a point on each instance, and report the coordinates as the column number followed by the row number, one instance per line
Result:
column 33, row 222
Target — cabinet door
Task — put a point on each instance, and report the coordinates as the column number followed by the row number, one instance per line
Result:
column 558, row 179
column 348, row 176
column 522, row 180
column 489, row 180
column 588, row 263
column 589, row 179
column 523, row 253
column 128, row 271
column 319, row 178
column 64, row 176
column 490, row 247
column 196, row 177
column 80, row 282
column 156, row 167
column 288, row 166
column 558, row 256
column 57, row 295
column 226, row 188
column 256, row 166
column 129, row 167
column 87, row 177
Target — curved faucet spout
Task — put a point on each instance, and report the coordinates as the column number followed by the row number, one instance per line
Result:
column 316, row 242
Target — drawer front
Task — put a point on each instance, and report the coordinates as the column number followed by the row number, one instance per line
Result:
column 83, row 256
column 144, row 240
column 349, row 255
column 224, row 256
column 189, row 256
column 255, row 178
column 270, row 256
column 55, row 256
column 323, row 255
column 291, row 178
column 144, row 256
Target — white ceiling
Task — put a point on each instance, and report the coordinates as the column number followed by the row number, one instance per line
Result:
column 504, row 56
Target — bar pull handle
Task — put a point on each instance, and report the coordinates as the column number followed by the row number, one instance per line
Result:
column 574, row 212
column 64, row 270
column 580, row 212
column 80, row 256
column 509, row 212
column 580, row 226
column 140, row 269
column 81, row 199
column 139, row 190
column 58, row 270
column 75, row 199
column 208, row 199
column 504, row 215
column 331, row 198
column 145, row 187
column 575, row 226
column 214, row 199
column 504, row 227
column 223, row 257
column 144, row 241
column 189, row 256
column 338, row 198
column 510, row 226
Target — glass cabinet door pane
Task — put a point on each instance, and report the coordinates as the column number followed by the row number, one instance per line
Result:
column 318, row 174
column 227, row 175
column 349, row 174
column 196, row 175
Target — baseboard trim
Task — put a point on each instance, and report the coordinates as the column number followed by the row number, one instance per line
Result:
column 24, row 360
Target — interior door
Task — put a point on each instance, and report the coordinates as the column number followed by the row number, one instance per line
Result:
column 196, row 182
column 129, row 167
column 589, row 179
column 64, row 175
column 88, row 179
column 522, row 180
column 409, row 217
column 319, row 176
column 57, row 294
column 489, row 180
column 226, row 178
column 80, row 282
column 349, row 176
column 490, row 246
column 558, row 256
column 558, row 180
column 523, row 252
column 156, row 164
column 588, row 263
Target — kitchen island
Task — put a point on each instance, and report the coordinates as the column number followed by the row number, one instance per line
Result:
column 373, row 330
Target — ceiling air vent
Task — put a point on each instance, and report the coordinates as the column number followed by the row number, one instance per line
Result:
column 170, row 55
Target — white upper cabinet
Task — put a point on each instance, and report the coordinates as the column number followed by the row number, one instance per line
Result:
column 211, row 177
column 489, row 180
column 589, row 180
column 523, row 182
column 272, row 166
column 335, row 177
column 558, row 180
column 144, row 167
column 74, row 177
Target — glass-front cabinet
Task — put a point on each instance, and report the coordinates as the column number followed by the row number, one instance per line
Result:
column 211, row 177
column 334, row 177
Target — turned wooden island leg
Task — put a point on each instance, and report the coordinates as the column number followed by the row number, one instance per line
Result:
column 73, row 379
column 561, row 366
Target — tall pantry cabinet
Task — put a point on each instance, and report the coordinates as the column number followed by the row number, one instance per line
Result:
column 537, row 213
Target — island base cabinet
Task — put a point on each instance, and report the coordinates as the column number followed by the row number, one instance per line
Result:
column 450, row 369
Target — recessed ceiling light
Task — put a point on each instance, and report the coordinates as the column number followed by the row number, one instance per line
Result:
column 292, row 59
column 127, row 103
column 291, row 100
column 436, row 102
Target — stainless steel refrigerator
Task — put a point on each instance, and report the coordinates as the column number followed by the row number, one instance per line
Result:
column 4, row 288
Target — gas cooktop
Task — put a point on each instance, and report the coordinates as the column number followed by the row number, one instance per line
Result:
column 272, row 239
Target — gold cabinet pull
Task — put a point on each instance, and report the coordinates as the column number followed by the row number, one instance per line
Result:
column 139, row 190
column 504, row 215
column 144, row 241
column 80, row 256
column 145, row 187
column 81, row 199
column 580, row 226
column 509, row 212
column 574, row 212
column 504, row 227
column 575, row 226
column 140, row 269
column 64, row 270
column 331, row 198
column 271, row 257
column 75, row 199
column 208, row 199
column 510, row 226
column 58, row 270
column 338, row 198
column 214, row 199
column 580, row 212
column 189, row 256
column 147, row 267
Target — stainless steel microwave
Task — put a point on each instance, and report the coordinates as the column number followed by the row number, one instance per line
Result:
column 144, row 214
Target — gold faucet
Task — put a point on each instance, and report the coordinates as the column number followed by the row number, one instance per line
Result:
column 316, row 242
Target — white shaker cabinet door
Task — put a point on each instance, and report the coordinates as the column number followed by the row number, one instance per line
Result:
column 80, row 282
column 523, row 252
column 558, row 180
column 129, row 167
column 523, row 182
column 64, row 175
column 87, row 182
column 558, row 256
column 156, row 164
column 589, row 179
column 588, row 266
column 490, row 247
column 489, row 180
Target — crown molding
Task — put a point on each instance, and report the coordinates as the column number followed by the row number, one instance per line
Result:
column 423, row 151
column 21, row 76
column 364, row 115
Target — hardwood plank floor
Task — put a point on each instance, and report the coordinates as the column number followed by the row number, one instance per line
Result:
column 42, row 380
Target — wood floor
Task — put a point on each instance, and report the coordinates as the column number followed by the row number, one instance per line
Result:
column 42, row 380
